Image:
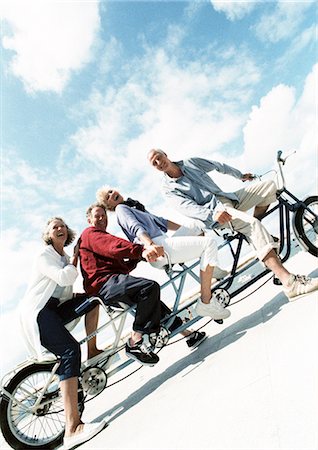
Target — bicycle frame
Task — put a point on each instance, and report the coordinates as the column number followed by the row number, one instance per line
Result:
column 287, row 204
column 181, row 304
column 39, row 401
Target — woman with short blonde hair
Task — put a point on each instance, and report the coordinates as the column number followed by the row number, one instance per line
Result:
column 142, row 227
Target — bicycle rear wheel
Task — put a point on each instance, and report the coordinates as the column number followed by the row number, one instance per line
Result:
column 305, row 224
column 26, row 426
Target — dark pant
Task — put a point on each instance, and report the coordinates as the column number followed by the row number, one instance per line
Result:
column 57, row 339
column 143, row 293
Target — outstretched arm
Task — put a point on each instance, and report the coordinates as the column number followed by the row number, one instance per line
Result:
column 157, row 250
column 208, row 165
column 132, row 227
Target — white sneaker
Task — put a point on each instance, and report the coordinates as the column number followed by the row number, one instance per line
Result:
column 212, row 309
column 300, row 285
column 219, row 273
column 89, row 431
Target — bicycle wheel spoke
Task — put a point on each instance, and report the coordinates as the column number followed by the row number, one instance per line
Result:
column 306, row 225
column 35, row 414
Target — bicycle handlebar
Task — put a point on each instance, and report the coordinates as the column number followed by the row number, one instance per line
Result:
column 279, row 154
column 281, row 162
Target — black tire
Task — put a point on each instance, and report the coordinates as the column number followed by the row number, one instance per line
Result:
column 305, row 225
column 23, row 428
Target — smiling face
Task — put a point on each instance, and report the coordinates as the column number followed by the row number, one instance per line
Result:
column 159, row 160
column 112, row 198
column 57, row 232
column 98, row 218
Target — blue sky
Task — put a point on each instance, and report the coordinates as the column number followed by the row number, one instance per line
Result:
column 89, row 87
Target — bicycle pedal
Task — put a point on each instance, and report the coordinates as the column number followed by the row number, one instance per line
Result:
column 277, row 282
column 159, row 340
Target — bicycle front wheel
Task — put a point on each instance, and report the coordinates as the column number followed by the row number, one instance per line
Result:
column 33, row 416
column 305, row 225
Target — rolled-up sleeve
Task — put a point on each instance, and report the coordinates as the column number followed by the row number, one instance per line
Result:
column 65, row 276
column 128, row 221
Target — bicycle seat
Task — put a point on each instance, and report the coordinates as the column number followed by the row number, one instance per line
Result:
column 118, row 306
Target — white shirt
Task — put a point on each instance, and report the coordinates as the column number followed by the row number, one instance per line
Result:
column 47, row 273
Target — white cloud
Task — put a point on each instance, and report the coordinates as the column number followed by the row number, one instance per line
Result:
column 193, row 8
column 298, row 46
column 16, row 265
column 49, row 40
column 30, row 197
column 166, row 103
column 111, row 51
column 283, row 22
column 284, row 122
column 234, row 10
column 45, row 186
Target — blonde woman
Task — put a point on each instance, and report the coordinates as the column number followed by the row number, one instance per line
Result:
column 142, row 227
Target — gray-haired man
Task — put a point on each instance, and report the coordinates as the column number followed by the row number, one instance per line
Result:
column 189, row 189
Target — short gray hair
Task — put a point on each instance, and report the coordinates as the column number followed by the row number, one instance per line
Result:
column 70, row 233
column 157, row 150
column 92, row 206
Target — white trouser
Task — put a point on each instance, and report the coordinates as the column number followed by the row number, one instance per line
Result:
column 258, row 194
column 186, row 248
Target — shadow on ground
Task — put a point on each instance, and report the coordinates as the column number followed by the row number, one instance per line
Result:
column 211, row 345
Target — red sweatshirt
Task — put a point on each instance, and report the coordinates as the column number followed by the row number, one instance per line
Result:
column 103, row 255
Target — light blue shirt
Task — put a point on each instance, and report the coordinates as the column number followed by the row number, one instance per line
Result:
column 195, row 194
column 134, row 223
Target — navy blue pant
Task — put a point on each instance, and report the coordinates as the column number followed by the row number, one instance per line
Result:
column 57, row 339
column 143, row 293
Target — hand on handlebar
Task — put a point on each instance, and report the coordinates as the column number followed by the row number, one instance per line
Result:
column 158, row 249
column 247, row 177
column 150, row 254
column 223, row 217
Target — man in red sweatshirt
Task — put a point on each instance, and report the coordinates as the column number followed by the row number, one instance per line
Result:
column 106, row 262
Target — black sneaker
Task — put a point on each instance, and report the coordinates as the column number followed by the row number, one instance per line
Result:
column 195, row 339
column 142, row 354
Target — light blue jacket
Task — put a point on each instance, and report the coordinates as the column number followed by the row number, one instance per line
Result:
column 195, row 194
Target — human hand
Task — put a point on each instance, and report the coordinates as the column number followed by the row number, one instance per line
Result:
column 149, row 254
column 74, row 258
column 76, row 249
column 158, row 249
column 247, row 177
column 223, row 217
